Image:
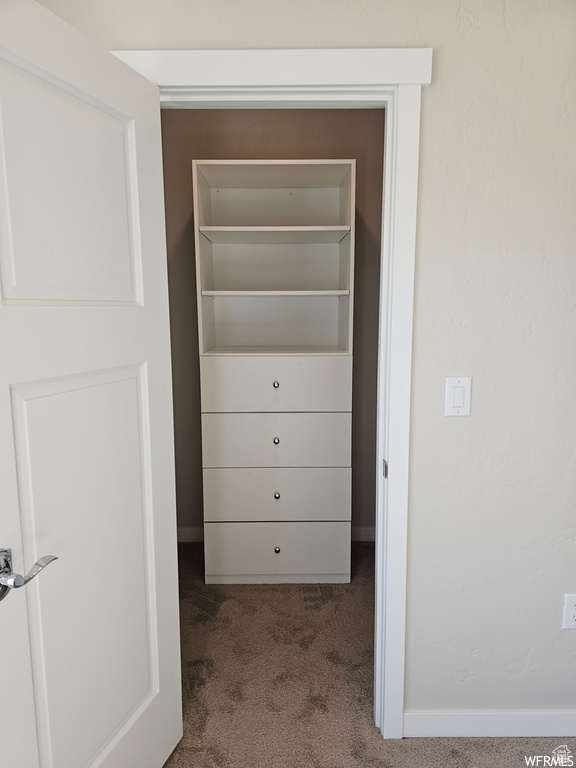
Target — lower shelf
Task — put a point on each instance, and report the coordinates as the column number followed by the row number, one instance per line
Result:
column 298, row 349
column 299, row 578
column 276, row 321
column 277, row 553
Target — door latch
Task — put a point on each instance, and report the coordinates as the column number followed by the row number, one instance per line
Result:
column 10, row 580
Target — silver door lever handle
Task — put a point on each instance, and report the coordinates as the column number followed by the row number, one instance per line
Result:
column 9, row 580
column 15, row 580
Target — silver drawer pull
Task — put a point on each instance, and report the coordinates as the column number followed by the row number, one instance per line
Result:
column 275, row 384
column 276, row 440
column 276, row 495
column 277, row 550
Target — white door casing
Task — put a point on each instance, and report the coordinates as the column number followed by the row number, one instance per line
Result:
column 90, row 648
column 352, row 79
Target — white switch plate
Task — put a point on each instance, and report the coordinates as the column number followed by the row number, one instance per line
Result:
column 569, row 616
column 458, row 395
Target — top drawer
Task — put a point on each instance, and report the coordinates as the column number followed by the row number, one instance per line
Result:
column 270, row 383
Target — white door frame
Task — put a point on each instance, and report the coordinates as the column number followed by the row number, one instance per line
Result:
column 351, row 79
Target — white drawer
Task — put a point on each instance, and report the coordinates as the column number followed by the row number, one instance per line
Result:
column 276, row 439
column 273, row 494
column 231, row 384
column 245, row 553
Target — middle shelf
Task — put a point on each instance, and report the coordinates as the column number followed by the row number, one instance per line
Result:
column 272, row 265
column 271, row 235
column 264, row 293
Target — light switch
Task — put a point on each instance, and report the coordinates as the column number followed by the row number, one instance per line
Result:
column 458, row 391
column 458, row 397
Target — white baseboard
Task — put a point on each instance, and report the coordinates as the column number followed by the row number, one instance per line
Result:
column 363, row 533
column 507, row 724
column 185, row 535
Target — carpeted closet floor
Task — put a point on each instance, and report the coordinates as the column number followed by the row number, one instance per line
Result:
column 280, row 676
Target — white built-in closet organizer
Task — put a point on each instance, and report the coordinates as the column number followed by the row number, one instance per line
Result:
column 274, row 266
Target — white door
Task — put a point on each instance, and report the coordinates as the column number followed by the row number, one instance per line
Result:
column 89, row 649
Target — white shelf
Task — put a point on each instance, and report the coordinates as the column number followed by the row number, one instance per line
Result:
column 275, row 256
column 300, row 349
column 280, row 294
column 272, row 174
column 274, row 279
column 284, row 195
column 274, row 235
column 266, row 321
column 275, row 267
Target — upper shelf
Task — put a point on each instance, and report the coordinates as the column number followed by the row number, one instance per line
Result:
column 283, row 194
column 270, row 174
column 274, row 235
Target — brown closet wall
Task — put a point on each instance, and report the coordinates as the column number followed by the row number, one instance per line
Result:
column 271, row 134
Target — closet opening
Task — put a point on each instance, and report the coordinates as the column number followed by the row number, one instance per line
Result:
column 254, row 134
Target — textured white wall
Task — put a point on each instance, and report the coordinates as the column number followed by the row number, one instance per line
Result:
column 492, row 543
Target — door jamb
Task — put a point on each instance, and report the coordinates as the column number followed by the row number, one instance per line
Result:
column 346, row 78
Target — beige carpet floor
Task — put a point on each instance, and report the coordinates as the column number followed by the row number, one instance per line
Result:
column 280, row 676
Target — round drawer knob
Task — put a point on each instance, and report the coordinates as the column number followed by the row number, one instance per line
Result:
column 276, row 440
column 277, row 550
column 276, row 495
column 275, row 384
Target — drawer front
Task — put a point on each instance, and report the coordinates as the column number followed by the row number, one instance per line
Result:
column 247, row 384
column 276, row 439
column 277, row 494
column 248, row 549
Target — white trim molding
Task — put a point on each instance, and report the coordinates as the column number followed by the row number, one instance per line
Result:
column 439, row 723
column 281, row 78
column 348, row 78
column 393, row 411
